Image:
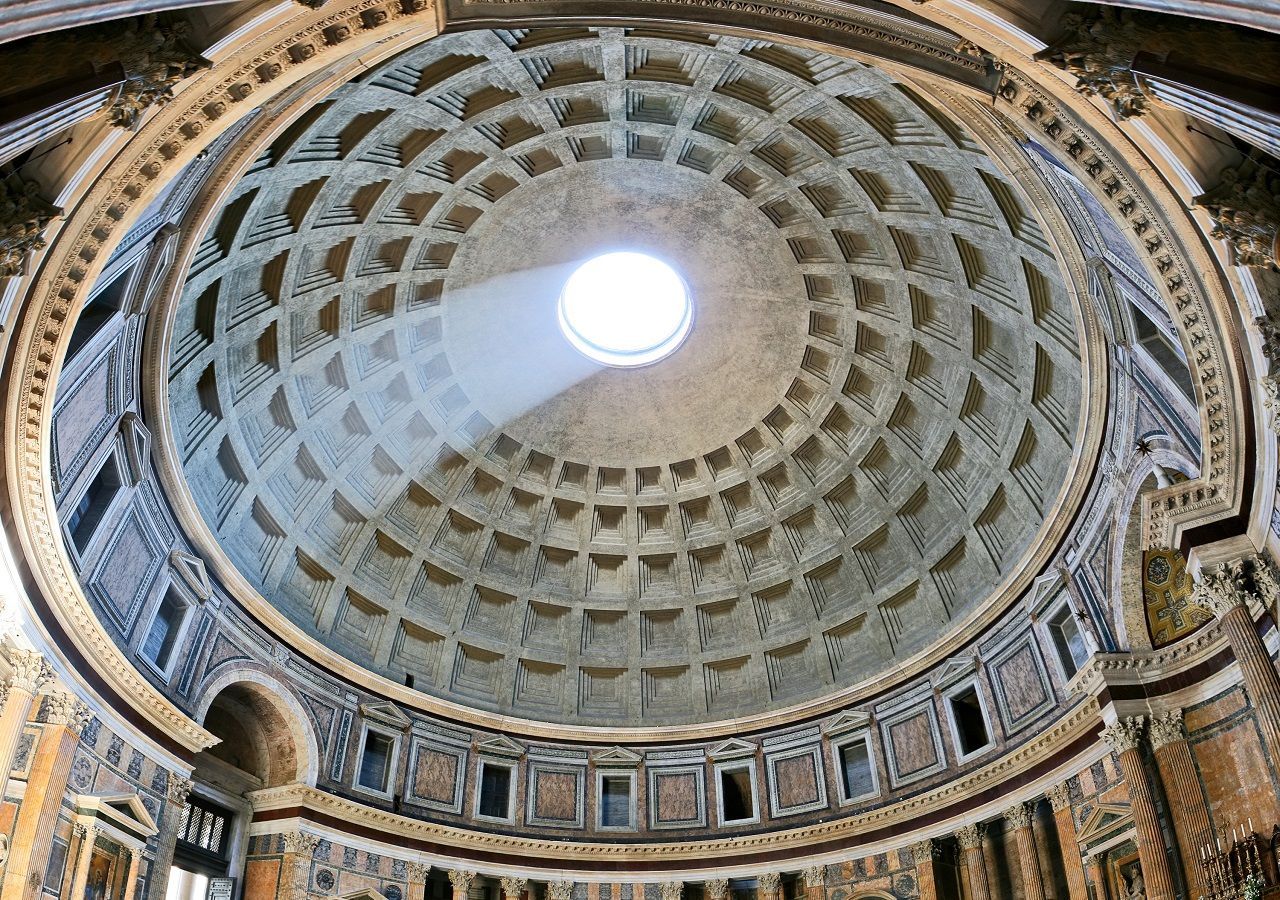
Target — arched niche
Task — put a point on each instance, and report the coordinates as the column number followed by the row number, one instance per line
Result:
column 266, row 740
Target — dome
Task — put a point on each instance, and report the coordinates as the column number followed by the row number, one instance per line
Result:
column 856, row 445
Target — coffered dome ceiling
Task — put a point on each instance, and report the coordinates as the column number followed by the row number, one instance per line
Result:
column 382, row 423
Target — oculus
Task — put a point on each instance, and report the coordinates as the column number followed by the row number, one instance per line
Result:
column 625, row 309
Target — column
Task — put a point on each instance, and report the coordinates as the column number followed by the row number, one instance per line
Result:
column 131, row 880
column 30, row 674
column 1123, row 738
column 460, row 880
column 924, row 852
column 557, row 890
column 167, row 840
column 769, row 886
column 670, row 890
column 1098, row 875
column 1222, row 590
column 969, row 837
column 815, row 882
column 514, row 888
column 65, row 716
column 86, row 836
column 417, row 874
column 1191, row 823
column 716, row 889
column 1019, row 818
column 1063, row 818
column 295, row 868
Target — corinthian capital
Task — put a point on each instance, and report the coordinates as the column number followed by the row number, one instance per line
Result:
column 461, row 880
column 179, row 788
column 1220, row 589
column 1123, row 734
column 514, row 887
column 24, row 216
column 418, row 872
column 1245, row 208
column 1098, row 47
column 671, row 890
column 769, row 882
column 1166, row 729
column 62, row 708
column 969, row 837
column 300, row 842
column 30, row 671
column 560, row 890
column 1059, row 796
column 924, row 851
column 1019, row 815
column 716, row 889
column 814, row 876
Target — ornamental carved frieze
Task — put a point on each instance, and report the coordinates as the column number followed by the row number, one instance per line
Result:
column 1245, row 208
column 24, row 215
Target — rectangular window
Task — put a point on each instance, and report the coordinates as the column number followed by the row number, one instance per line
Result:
column 375, row 762
column 165, row 627
column 856, row 776
column 1068, row 640
column 970, row 720
column 495, row 791
column 204, row 826
column 1161, row 349
column 93, row 504
column 615, row 801
column 737, row 796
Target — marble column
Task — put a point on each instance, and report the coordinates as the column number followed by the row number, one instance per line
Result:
column 924, row 853
column 769, row 886
column 1223, row 591
column 86, row 836
column 514, row 888
column 167, row 840
column 969, row 837
column 1191, row 823
column 65, row 716
column 460, row 880
column 815, row 882
column 1123, row 737
column 417, row 873
column 131, row 878
column 295, row 868
column 30, row 674
column 1019, row 818
column 716, row 889
column 1063, row 818
column 1098, row 875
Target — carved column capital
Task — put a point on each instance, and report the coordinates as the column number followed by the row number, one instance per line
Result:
column 969, row 837
column 924, row 851
column 814, row 876
column 179, row 788
column 1167, row 728
column 1098, row 47
column 1059, row 796
column 62, row 708
column 716, row 889
column 1019, row 815
column 461, row 880
column 30, row 670
column 1245, row 208
column 769, row 882
column 514, row 887
column 1221, row 589
column 24, row 215
column 671, row 890
column 559, row 890
column 300, row 842
column 1124, row 734
column 418, row 872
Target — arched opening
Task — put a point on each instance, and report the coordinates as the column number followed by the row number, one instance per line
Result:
column 258, row 747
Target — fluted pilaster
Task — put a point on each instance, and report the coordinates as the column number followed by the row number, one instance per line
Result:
column 1124, row 737
column 1064, row 821
column 969, row 837
column 1019, row 819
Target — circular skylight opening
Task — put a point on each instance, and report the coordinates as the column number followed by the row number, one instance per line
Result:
column 625, row 309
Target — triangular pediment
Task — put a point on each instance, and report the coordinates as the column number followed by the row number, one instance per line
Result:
column 125, row 811
column 362, row 894
column 500, row 746
column 1043, row 589
column 954, row 669
column 616, row 756
column 137, row 445
column 731, row 749
column 1103, row 819
column 848, row 720
column 192, row 572
column 387, row 714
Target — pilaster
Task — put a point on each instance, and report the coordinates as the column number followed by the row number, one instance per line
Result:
column 1124, row 737
column 1064, row 820
column 30, row 673
column 924, row 852
column 969, row 837
column 1191, row 823
column 1019, row 819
